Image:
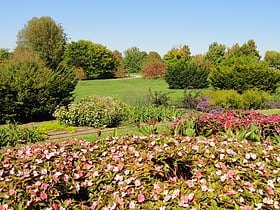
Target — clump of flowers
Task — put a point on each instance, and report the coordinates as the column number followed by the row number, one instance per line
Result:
column 147, row 172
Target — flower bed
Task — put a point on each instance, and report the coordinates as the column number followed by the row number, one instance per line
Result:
column 134, row 172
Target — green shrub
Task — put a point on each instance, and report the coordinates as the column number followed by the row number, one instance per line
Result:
column 231, row 99
column 31, row 92
column 12, row 134
column 255, row 99
column 190, row 99
column 158, row 98
column 186, row 75
column 228, row 99
column 244, row 77
column 94, row 111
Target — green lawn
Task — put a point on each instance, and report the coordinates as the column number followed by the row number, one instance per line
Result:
column 125, row 89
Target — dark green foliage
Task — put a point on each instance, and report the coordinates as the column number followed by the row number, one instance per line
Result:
column 186, row 75
column 133, row 59
column 31, row 92
column 12, row 134
column 243, row 77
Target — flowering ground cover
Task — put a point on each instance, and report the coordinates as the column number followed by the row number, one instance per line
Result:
column 138, row 172
column 240, row 124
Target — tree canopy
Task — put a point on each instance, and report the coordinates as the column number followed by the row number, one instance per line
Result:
column 95, row 59
column 44, row 36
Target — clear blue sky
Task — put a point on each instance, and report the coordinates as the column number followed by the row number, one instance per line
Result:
column 151, row 25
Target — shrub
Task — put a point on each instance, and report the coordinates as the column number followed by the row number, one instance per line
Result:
column 186, row 75
column 255, row 99
column 31, row 92
column 153, row 68
column 94, row 111
column 12, row 135
column 243, row 77
column 231, row 99
column 228, row 99
column 158, row 98
column 190, row 99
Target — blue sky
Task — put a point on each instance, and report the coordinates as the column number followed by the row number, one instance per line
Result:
column 151, row 25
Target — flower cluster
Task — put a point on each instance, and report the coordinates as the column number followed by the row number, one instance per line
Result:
column 132, row 172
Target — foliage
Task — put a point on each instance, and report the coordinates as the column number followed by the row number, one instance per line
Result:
column 241, row 124
column 215, row 53
column 94, row 111
column 158, row 98
column 44, row 36
column 243, row 77
column 231, row 99
column 190, row 99
column 272, row 58
column 95, row 59
column 4, row 54
column 153, row 68
column 133, row 59
column 149, row 114
column 156, row 172
column 12, row 135
column 29, row 91
column 186, row 75
column 175, row 55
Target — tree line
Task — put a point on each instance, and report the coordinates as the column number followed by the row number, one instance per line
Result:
column 42, row 71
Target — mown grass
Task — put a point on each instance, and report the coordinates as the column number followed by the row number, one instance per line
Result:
column 130, row 89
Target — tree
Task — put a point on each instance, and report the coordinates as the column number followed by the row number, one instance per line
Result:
column 95, row 59
column 185, row 74
column 272, row 58
column 153, row 67
column 177, row 54
column 29, row 91
column 215, row 53
column 133, row 59
column 44, row 36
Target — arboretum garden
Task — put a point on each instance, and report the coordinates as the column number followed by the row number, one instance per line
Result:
column 178, row 131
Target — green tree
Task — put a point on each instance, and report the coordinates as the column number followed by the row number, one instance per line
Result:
column 186, row 74
column 177, row 54
column 133, row 59
column 44, row 36
column 95, row 59
column 215, row 53
column 272, row 58
column 29, row 91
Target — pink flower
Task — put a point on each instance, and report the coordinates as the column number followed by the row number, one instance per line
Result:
column 44, row 186
column 198, row 175
column 231, row 192
column 175, row 194
column 43, row 196
column 4, row 207
column 11, row 192
column 140, row 197
column 246, row 207
column 270, row 191
column 190, row 183
column 137, row 183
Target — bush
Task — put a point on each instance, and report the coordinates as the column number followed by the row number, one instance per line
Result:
column 153, row 68
column 244, row 77
column 186, row 75
column 231, row 99
column 31, row 92
column 12, row 134
column 158, row 98
column 228, row 99
column 94, row 111
column 190, row 99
